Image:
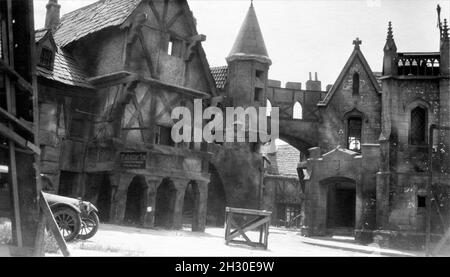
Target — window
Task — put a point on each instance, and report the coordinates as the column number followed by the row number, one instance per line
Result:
column 298, row 111
column 421, row 201
column 356, row 84
column 46, row 59
column 163, row 136
column 268, row 108
column 418, row 126
column 170, row 48
column 354, row 134
column 260, row 74
column 258, row 94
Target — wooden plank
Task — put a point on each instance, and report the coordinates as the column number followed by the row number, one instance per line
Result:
column 239, row 230
column 174, row 19
column 248, row 223
column 251, row 227
column 156, row 14
column 15, row 120
column 53, row 226
column 39, row 245
column 148, row 57
column 8, row 133
column 248, row 211
column 227, row 227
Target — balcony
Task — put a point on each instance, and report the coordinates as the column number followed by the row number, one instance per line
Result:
column 418, row 64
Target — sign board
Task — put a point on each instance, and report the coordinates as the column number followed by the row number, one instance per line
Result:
column 133, row 160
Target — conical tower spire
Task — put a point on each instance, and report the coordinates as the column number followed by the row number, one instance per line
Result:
column 249, row 43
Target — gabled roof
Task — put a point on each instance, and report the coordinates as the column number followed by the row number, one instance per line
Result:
column 250, row 41
column 65, row 68
column 220, row 75
column 93, row 18
column 357, row 54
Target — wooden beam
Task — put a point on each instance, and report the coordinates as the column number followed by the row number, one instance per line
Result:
column 15, row 120
column 155, row 13
column 164, row 17
column 147, row 55
column 10, row 134
column 174, row 19
column 23, row 84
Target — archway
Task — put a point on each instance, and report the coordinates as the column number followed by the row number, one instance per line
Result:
column 165, row 204
column 216, row 199
column 190, row 206
column 134, row 206
column 341, row 203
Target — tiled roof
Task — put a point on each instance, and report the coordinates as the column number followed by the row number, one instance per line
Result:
column 93, row 18
column 65, row 70
column 288, row 158
column 220, row 75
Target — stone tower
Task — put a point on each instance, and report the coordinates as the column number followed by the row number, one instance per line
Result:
column 248, row 65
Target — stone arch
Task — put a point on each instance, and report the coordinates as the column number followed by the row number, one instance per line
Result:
column 340, row 204
column 217, row 199
column 415, row 104
column 190, row 203
column 165, row 204
column 135, row 204
column 297, row 111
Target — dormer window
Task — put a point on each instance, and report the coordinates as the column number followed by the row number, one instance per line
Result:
column 46, row 58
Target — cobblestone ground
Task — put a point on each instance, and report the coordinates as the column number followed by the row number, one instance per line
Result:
column 112, row 240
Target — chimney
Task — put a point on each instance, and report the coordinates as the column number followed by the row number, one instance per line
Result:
column 314, row 85
column 316, row 77
column 52, row 16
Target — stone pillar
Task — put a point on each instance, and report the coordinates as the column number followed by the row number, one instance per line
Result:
column 150, row 200
column 119, row 184
column 180, row 186
column 200, row 208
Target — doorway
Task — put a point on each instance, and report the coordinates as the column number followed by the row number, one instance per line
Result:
column 341, row 205
column 134, row 207
column 165, row 204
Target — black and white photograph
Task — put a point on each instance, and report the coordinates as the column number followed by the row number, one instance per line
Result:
column 217, row 129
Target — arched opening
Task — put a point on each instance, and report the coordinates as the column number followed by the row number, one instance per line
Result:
column 418, row 128
column 341, row 203
column 215, row 215
column 297, row 111
column 355, row 83
column 190, row 205
column 104, row 199
column 354, row 133
column 165, row 204
column 268, row 108
column 134, row 208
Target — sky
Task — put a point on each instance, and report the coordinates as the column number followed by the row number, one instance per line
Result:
column 305, row 36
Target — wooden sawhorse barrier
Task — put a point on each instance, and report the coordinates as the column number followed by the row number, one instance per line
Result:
column 258, row 219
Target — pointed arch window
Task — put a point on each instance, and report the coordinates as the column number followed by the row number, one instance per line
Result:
column 354, row 131
column 418, row 127
column 355, row 83
column 297, row 111
column 268, row 108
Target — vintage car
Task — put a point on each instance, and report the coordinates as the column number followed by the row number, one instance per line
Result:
column 76, row 218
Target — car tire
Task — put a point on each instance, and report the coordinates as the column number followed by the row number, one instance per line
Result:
column 89, row 226
column 69, row 222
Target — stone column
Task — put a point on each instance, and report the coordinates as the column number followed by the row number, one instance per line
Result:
column 119, row 184
column 200, row 208
column 150, row 201
column 180, row 186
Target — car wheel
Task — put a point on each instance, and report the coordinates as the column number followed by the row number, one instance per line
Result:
column 69, row 222
column 89, row 226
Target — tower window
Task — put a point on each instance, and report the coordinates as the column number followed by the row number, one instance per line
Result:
column 46, row 58
column 258, row 94
column 418, row 126
column 260, row 74
column 354, row 134
column 356, row 84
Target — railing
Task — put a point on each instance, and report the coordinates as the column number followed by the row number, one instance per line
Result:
column 418, row 64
